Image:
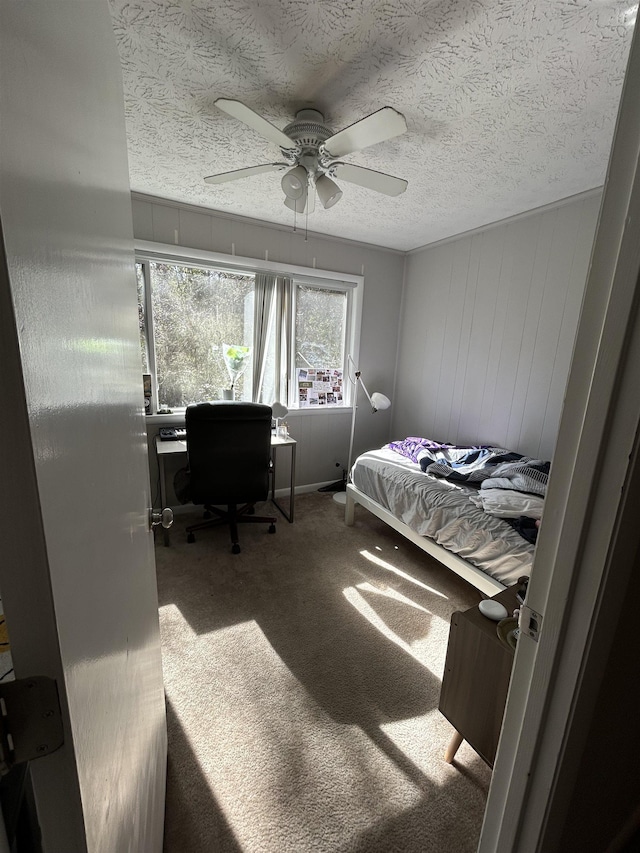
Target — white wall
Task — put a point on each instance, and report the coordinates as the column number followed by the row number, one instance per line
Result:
column 323, row 439
column 487, row 330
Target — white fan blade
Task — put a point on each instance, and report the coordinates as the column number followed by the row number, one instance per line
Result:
column 369, row 179
column 223, row 177
column 243, row 113
column 378, row 127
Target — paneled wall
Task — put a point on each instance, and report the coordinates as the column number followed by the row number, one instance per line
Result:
column 323, row 438
column 487, row 331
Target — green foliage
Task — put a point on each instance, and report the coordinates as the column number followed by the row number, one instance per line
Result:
column 237, row 360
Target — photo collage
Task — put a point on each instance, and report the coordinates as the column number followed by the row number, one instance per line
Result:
column 319, row 387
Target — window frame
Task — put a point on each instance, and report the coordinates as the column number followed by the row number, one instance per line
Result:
column 352, row 285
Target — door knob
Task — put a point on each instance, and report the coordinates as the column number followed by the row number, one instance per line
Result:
column 165, row 518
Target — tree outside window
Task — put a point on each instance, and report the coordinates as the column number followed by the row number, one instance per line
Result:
column 195, row 312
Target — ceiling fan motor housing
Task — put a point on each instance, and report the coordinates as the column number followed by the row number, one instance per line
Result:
column 309, row 131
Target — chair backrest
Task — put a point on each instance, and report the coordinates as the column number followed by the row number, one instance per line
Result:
column 229, row 450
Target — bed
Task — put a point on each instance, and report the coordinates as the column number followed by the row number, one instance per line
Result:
column 434, row 496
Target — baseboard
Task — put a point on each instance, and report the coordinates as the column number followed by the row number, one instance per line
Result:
column 304, row 490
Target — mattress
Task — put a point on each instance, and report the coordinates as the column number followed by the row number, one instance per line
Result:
column 443, row 511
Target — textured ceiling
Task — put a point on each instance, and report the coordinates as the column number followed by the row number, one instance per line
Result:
column 510, row 104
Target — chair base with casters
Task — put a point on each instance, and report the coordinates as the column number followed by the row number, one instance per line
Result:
column 233, row 516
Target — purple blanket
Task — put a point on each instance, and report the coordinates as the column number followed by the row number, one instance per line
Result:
column 411, row 446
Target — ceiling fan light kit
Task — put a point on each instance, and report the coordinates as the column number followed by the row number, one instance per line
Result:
column 328, row 191
column 310, row 149
column 294, row 182
column 296, row 204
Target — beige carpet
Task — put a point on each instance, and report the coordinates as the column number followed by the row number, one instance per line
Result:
column 302, row 680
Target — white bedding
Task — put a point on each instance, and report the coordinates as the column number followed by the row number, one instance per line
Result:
column 506, row 503
column 442, row 510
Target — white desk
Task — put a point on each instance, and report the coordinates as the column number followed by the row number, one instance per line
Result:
column 166, row 448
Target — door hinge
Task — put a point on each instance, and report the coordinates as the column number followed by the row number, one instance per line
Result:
column 30, row 720
column 530, row 622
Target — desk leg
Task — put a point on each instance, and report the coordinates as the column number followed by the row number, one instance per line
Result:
column 274, row 459
column 292, row 484
column 166, row 536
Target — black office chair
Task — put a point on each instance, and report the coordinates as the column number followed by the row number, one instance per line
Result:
column 229, row 451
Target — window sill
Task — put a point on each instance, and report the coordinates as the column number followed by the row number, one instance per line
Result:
column 312, row 410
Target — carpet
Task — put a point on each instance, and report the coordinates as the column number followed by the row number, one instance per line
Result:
column 302, row 679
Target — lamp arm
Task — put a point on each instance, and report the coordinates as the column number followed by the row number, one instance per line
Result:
column 382, row 402
column 357, row 377
column 364, row 388
column 353, row 431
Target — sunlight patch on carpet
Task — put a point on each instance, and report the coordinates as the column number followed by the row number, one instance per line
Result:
column 426, row 753
column 390, row 592
column 416, row 648
column 319, row 776
column 384, row 565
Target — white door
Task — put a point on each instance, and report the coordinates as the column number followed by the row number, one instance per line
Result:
column 77, row 574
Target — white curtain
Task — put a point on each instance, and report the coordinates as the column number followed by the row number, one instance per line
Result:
column 263, row 305
column 284, row 327
column 272, row 316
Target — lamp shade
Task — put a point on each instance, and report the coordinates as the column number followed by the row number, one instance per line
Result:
column 297, row 204
column 294, row 182
column 329, row 192
column 278, row 410
column 379, row 401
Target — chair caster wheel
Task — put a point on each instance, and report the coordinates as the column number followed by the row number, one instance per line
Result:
column 272, row 528
column 191, row 538
column 235, row 548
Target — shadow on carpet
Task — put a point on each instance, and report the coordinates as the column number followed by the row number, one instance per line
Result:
column 302, row 680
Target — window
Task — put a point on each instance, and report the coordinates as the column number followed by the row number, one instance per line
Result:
column 191, row 314
column 195, row 311
column 320, row 326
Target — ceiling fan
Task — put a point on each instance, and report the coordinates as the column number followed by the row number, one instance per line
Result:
column 310, row 151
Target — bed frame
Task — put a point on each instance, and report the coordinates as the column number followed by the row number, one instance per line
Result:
column 482, row 582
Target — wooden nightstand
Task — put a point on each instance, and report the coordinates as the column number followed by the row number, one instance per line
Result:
column 476, row 679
